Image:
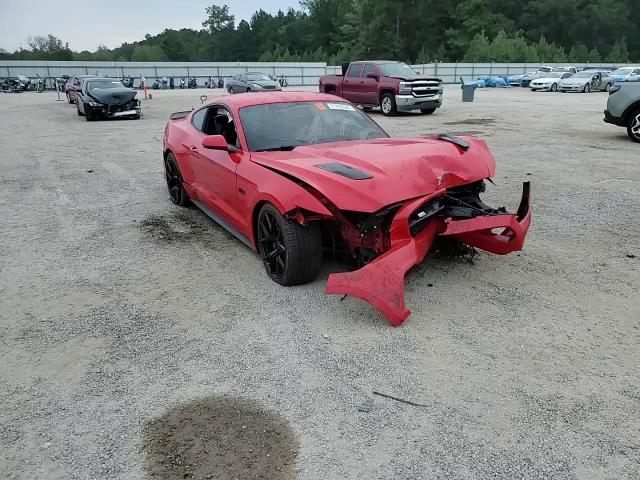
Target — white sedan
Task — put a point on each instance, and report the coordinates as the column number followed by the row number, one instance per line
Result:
column 549, row 82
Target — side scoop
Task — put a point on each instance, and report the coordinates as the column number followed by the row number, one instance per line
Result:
column 381, row 282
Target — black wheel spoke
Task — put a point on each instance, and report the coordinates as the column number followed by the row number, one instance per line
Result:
column 271, row 244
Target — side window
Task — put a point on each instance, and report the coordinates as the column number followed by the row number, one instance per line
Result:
column 197, row 119
column 636, row 71
column 236, row 77
column 369, row 68
column 220, row 122
column 355, row 70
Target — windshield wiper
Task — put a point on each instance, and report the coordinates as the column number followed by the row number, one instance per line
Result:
column 281, row 148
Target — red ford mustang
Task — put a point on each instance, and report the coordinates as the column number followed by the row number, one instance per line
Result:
column 296, row 175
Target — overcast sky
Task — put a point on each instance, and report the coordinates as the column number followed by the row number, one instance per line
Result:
column 85, row 24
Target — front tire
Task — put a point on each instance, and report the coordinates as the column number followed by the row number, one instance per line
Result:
column 175, row 184
column 633, row 126
column 291, row 253
column 388, row 105
column 607, row 87
column 587, row 88
column 554, row 87
column 80, row 114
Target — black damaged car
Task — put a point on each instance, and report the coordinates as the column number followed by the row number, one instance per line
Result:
column 106, row 98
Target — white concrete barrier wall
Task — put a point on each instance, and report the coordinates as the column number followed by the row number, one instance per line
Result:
column 298, row 73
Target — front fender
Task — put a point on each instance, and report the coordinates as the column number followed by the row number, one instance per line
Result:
column 259, row 184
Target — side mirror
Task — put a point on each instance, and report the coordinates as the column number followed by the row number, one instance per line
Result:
column 372, row 75
column 215, row 142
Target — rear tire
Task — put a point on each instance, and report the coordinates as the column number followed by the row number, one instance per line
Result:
column 633, row 126
column 175, row 184
column 248, row 90
column 291, row 253
column 427, row 111
column 388, row 105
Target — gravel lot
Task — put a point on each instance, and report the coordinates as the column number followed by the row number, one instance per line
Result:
column 138, row 339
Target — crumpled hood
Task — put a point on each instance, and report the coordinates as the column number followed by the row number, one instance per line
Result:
column 400, row 168
column 113, row 96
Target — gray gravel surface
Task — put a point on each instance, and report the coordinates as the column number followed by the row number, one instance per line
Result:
column 119, row 309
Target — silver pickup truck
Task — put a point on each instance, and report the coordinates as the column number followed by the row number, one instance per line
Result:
column 623, row 108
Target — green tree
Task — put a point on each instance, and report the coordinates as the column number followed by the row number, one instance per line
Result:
column 148, row 53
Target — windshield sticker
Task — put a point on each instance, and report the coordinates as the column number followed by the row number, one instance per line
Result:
column 340, row 106
column 321, row 106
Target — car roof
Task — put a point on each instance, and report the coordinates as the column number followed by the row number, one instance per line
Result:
column 261, row 73
column 377, row 62
column 241, row 100
column 109, row 79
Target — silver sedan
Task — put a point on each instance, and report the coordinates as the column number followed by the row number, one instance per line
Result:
column 252, row 82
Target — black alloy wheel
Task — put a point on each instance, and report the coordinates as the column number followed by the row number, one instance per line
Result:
column 272, row 247
column 174, row 182
column 291, row 253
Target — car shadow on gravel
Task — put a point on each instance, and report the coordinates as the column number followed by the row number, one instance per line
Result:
column 187, row 225
column 220, row 437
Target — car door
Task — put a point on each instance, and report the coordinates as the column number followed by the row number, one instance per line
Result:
column 596, row 81
column 240, row 85
column 80, row 95
column 351, row 82
column 368, row 85
column 214, row 171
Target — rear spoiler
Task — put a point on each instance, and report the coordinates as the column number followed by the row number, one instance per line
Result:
column 179, row 115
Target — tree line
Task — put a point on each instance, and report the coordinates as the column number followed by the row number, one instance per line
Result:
column 416, row 31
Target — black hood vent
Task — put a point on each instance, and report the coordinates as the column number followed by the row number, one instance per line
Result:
column 344, row 170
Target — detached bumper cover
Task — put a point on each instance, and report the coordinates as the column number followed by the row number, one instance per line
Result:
column 381, row 282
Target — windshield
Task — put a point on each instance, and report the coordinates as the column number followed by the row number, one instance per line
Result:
column 622, row 71
column 257, row 77
column 553, row 74
column 397, row 70
column 94, row 84
column 284, row 126
column 583, row 75
column 544, row 69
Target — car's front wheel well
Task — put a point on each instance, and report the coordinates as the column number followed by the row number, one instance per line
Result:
column 382, row 94
column 630, row 110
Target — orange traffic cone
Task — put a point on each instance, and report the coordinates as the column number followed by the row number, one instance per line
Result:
column 145, row 91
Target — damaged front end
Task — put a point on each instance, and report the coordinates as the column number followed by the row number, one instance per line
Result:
column 389, row 242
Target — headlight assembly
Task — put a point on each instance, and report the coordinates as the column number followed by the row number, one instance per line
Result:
column 405, row 88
